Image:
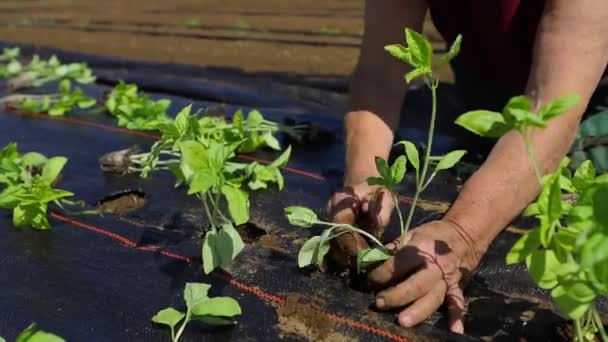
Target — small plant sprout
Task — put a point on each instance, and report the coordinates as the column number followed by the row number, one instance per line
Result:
column 419, row 55
column 314, row 249
column 566, row 253
column 39, row 72
column 134, row 109
column 9, row 62
column 200, row 152
column 58, row 104
column 29, row 181
column 31, row 334
column 199, row 307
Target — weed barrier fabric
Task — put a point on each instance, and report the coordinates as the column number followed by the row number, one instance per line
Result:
column 102, row 278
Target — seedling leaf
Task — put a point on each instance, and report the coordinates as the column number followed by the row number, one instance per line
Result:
column 450, row 159
column 383, row 169
column 168, row 316
column 195, row 292
column 543, row 267
column 398, row 170
column 453, row 51
column 420, row 49
column 217, row 306
column 301, row 216
column 484, row 123
column 306, row 256
column 525, row 245
column 52, row 169
column 370, row 256
column 412, row 153
column 558, row 106
column 238, row 203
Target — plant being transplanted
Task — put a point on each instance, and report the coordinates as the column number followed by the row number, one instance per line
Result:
column 567, row 253
column 57, row 104
column 201, row 153
column 29, row 181
column 199, row 307
column 419, row 55
column 31, row 334
column 39, row 72
column 134, row 109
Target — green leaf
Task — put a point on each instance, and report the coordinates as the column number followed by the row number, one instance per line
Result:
column 543, row 266
column 281, row 161
column 412, row 153
column 373, row 181
column 228, row 244
column 2, row 339
column 558, row 106
column 453, row 51
column 370, row 256
column 450, row 159
column 217, row 306
column 526, row 119
column 211, row 260
column 195, row 292
column 555, row 201
column 400, row 52
column 182, row 118
column 584, row 175
column 31, row 335
column 32, row 159
column 194, row 156
column 323, row 247
column 65, row 86
column 52, row 169
column 308, row 252
column 420, row 49
column 11, row 196
column 254, row 118
column 238, row 203
column 572, row 307
column 26, row 333
column 594, row 250
column 271, row 141
column 484, row 123
column 301, row 216
column 520, row 102
column 417, row 73
column 525, row 245
column 383, row 169
column 600, row 198
column 202, row 181
column 215, row 320
column 168, row 316
column 398, row 169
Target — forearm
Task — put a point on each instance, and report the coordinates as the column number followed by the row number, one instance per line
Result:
column 570, row 55
column 377, row 86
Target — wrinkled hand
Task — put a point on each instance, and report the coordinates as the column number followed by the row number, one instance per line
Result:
column 429, row 270
column 360, row 205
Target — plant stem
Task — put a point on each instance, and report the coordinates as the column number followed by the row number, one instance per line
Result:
column 207, row 211
column 182, row 327
column 427, row 155
column 530, row 150
column 398, row 209
column 599, row 325
column 577, row 328
column 354, row 229
column 214, row 202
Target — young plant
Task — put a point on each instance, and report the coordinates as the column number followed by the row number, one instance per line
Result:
column 29, row 181
column 201, row 156
column 134, row 109
column 31, row 334
column 58, row 104
column 199, row 307
column 419, row 55
column 566, row 253
column 39, row 72
column 9, row 62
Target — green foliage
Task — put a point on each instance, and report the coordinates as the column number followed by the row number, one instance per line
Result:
column 9, row 62
column 199, row 307
column 66, row 100
column 136, row 110
column 39, row 72
column 32, row 334
column 28, row 186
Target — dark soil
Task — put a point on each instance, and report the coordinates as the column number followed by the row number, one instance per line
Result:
column 122, row 202
column 250, row 233
column 304, row 317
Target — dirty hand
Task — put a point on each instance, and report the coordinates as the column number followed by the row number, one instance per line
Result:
column 429, row 270
column 363, row 206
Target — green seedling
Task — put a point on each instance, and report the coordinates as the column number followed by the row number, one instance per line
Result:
column 29, row 181
column 134, row 109
column 31, row 334
column 199, row 307
column 419, row 56
column 58, row 104
column 314, row 249
column 9, row 62
column 39, row 72
column 566, row 253
column 200, row 152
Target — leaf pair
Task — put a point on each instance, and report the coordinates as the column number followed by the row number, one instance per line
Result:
column 419, row 54
column 221, row 247
column 199, row 307
column 517, row 114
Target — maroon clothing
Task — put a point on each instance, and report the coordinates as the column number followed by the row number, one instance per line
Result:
column 498, row 35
